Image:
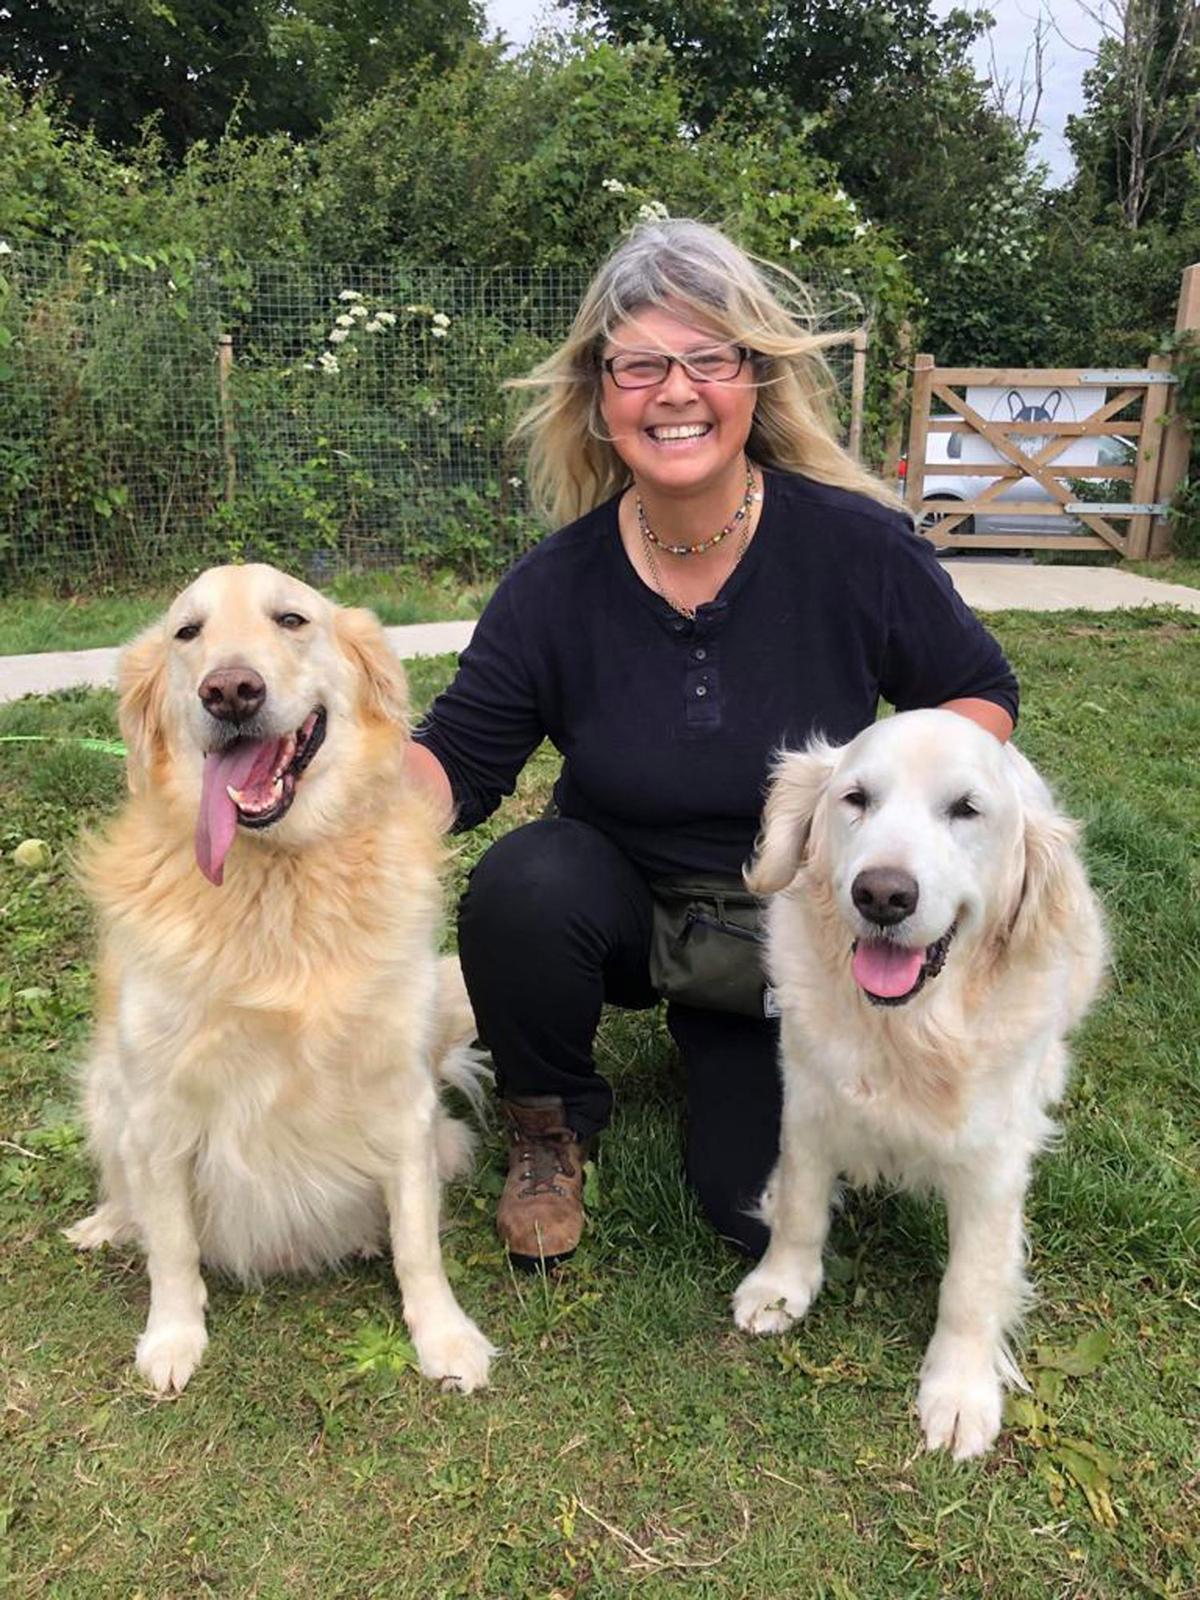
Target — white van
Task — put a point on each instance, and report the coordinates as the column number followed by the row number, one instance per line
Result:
column 1023, row 404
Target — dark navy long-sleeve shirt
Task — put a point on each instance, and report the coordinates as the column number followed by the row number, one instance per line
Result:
column 667, row 726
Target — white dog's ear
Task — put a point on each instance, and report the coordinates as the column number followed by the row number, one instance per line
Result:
column 1054, row 890
column 383, row 688
column 796, row 788
column 142, row 686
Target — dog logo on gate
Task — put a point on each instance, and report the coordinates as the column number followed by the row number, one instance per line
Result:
column 1021, row 410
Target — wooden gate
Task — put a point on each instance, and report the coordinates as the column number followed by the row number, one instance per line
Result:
column 1132, row 408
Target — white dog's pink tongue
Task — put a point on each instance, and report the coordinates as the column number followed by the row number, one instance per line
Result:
column 242, row 765
column 885, row 969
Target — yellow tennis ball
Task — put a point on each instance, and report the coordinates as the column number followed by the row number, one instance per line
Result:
column 33, row 854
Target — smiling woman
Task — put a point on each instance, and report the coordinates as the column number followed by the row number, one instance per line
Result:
column 728, row 581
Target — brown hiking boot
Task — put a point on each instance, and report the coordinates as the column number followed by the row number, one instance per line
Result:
column 540, row 1215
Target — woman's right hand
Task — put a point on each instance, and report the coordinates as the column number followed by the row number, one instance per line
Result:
column 428, row 775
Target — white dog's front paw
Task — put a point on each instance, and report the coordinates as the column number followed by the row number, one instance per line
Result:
column 960, row 1408
column 769, row 1301
column 107, row 1225
column 168, row 1355
column 454, row 1353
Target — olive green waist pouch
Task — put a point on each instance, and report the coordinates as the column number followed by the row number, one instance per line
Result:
column 706, row 944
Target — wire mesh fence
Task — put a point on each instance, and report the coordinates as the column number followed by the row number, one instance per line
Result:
column 327, row 418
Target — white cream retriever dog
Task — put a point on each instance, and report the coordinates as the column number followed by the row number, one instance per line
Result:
column 273, row 1021
column 931, row 941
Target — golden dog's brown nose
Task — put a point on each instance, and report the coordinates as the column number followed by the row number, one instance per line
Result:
column 232, row 694
column 885, row 895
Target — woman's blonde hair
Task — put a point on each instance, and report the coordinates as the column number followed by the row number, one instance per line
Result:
column 698, row 273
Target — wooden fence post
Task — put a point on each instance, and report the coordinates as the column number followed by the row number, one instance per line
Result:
column 1145, row 476
column 918, row 433
column 1173, row 462
column 858, row 392
column 893, row 442
column 224, row 370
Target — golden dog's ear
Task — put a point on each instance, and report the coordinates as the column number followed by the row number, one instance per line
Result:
column 142, row 685
column 797, row 784
column 383, row 688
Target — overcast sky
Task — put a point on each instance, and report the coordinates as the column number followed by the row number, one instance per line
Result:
column 1067, row 55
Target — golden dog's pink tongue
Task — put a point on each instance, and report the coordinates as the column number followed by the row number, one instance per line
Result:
column 885, row 969
column 245, row 763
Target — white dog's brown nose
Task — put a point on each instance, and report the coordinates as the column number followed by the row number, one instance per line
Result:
column 885, row 895
column 232, row 694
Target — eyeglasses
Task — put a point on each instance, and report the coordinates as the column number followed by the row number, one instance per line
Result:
column 644, row 369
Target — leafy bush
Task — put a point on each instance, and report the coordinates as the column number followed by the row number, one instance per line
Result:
column 505, row 177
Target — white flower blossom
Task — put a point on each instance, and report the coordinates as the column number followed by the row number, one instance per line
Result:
column 793, row 244
column 345, row 320
column 440, row 319
column 328, row 362
column 653, row 211
column 359, row 310
column 373, row 326
column 438, row 333
column 338, row 335
column 349, row 294
column 5, row 248
column 514, row 483
column 388, row 318
column 613, row 185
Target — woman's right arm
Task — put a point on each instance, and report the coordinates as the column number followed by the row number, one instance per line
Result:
column 467, row 752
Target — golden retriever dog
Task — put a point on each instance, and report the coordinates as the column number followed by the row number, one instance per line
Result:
column 273, row 1021
column 931, row 940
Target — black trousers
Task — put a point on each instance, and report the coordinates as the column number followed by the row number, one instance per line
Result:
column 556, row 921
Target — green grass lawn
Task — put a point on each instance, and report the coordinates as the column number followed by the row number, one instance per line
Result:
column 634, row 1442
column 1173, row 569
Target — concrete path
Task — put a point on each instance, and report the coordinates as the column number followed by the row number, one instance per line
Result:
column 988, row 585
column 1022, row 585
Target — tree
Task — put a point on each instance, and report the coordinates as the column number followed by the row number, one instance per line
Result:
column 816, row 53
column 277, row 64
column 886, row 94
column 1138, row 139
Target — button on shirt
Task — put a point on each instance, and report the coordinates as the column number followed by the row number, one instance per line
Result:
column 667, row 725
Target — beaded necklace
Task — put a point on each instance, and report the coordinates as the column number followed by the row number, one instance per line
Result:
column 648, row 543
column 738, row 519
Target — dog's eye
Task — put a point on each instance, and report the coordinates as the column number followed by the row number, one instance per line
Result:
column 962, row 808
column 857, row 798
column 188, row 631
column 291, row 619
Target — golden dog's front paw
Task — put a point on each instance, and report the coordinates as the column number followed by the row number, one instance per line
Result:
column 455, row 1354
column 167, row 1356
column 960, row 1410
column 769, row 1301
